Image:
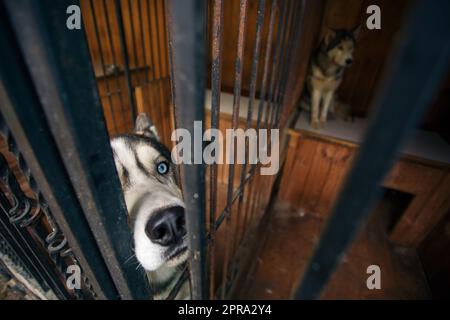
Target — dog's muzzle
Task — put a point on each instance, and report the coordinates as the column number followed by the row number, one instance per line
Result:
column 167, row 227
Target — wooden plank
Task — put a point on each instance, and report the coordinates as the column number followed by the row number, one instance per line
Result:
column 415, row 225
column 317, row 176
column 341, row 164
column 412, row 177
column 293, row 181
column 315, row 170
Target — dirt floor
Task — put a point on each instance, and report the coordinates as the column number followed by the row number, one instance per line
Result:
column 291, row 237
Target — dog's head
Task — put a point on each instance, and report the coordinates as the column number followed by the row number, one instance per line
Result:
column 152, row 196
column 340, row 44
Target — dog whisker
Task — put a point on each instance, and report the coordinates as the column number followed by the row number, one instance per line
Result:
column 130, row 257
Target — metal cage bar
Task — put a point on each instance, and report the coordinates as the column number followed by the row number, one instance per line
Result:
column 19, row 104
column 282, row 15
column 216, row 73
column 248, row 122
column 13, row 219
column 417, row 68
column 74, row 116
column 235, row 122
column 186, row 36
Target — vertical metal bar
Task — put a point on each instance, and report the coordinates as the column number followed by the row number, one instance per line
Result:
column 126, row 65
column 19, row 105
column 293, row 36
column 168, row 30
column 75, row 118
column 276, row 54
column 286, row 54
column 262, row 95
column 288, row 12
column 216, row 73
column 235, row 122
column 185, row 25
column 253, row 78
column 102, row 61
column 417, row 68
column 114, row 62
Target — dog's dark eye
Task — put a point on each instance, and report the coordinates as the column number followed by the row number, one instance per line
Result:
column 162, row 167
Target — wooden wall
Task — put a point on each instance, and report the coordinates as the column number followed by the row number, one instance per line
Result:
column 148, row 52
column 316, row 168
column 372, row 48
column 146, row 46
column 230, row 33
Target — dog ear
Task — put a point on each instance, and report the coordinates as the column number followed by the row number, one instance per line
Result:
column 356, row 31
column 144, row 126
column 329, row 35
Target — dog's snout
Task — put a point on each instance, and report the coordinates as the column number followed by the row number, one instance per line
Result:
column 167, row 227
column 349, row 61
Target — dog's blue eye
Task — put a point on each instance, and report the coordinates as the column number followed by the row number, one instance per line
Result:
column 162, row 167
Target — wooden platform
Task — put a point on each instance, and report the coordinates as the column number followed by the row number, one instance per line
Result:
column 423, row 145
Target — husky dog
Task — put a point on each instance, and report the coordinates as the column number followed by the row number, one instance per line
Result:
column 335, row 53
column 155, row 206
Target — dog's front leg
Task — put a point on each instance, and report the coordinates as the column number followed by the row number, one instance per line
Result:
column 327, row 98
column 315, row 105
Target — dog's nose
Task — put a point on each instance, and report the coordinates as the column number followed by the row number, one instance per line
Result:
column 349, row 61
column 167, row 226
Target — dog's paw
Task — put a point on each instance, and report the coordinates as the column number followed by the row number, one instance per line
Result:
column 315, row 124
column 322, row 124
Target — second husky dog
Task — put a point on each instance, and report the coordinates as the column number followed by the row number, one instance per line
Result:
column 325, row 73
column 155, row 206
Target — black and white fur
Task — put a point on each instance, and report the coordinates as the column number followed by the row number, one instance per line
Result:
column 155, row 206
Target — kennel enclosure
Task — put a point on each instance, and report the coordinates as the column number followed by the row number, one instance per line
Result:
column 64, row 92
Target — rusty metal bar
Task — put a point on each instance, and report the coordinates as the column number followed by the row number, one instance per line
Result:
column 281, row 57
column 262, row 95
column 295, row 30
column 216, row 72
column 286, row 53
column 253, row 78
column 235, row 122
column 276, row 57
